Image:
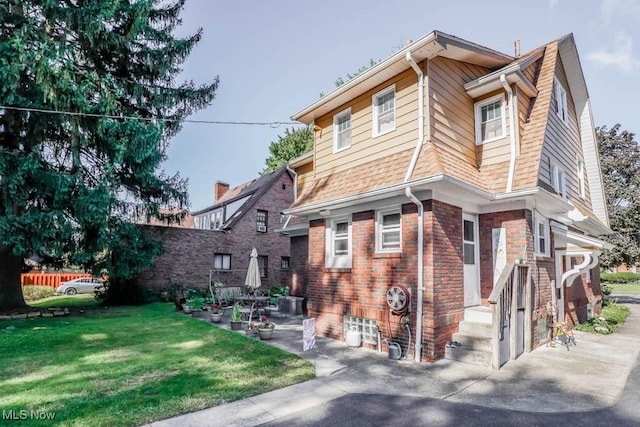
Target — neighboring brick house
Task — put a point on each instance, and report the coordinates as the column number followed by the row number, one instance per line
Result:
column 454, row 193
column 241, row 218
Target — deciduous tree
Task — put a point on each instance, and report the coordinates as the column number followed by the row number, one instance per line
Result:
column 620, row 163
column 88, row 104
column 294, row 143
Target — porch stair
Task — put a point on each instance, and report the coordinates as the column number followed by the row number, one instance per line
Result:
column 474, row 336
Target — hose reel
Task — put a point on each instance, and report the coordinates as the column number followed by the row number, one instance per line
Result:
column 399, row 299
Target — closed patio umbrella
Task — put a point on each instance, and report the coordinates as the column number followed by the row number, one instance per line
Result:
column 252, row 282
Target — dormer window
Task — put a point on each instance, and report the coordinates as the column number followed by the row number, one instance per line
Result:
column 561, row 100
column 342, row 130
column 384, row 111
column 490, row 120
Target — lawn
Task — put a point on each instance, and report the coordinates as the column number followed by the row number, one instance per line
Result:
column 131, row 365
column 631, row 288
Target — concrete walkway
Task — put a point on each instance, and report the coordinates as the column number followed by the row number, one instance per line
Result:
column 587, row 377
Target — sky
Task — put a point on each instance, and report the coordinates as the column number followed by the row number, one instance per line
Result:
column 275, row 57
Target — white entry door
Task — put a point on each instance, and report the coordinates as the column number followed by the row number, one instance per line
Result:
column 470, row 256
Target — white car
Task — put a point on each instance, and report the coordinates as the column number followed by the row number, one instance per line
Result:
column 82, row 285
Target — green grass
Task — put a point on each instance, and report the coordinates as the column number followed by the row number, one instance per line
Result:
column 631, row 288
column 613, row 315
column 132, row 365
column 82, row 300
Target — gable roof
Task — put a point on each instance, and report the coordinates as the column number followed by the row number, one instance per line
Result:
column 251, row 190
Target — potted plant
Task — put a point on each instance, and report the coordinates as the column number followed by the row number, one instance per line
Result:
column 265, row 328
column 216, row 313
column 236, row 317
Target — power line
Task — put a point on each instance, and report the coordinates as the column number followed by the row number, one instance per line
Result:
column 144, row 119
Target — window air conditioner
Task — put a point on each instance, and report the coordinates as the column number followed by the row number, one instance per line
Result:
column 262, row 228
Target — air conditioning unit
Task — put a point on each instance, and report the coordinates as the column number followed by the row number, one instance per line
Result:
column 262, row 228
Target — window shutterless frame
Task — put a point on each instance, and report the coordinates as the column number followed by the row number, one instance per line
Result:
column 342, row 130
column 383, row 106
column 490, row 120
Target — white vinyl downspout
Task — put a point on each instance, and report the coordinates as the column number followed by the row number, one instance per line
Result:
column 512, row 133
column 418, row 203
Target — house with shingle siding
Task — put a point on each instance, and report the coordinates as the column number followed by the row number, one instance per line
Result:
column 453, row 195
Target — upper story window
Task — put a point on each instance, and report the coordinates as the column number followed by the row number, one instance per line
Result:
column 261, row 221
column 490, row 119
column 342, row 130
column 388, row 231
column 581, row 185
column 338, row 243
column 541, row 236
column 222, row 262
column 216, row 220
column 561, row 100
column 558, row 180
column 384, row 111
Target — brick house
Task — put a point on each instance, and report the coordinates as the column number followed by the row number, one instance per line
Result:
column 223, row 235
column 454, row 193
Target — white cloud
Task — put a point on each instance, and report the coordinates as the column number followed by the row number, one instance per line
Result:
column 619, row 54
column 613, row 9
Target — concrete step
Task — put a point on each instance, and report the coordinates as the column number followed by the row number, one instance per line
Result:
column 472, row 342
column 468, row 355
column 475, row 328
column 479, row 314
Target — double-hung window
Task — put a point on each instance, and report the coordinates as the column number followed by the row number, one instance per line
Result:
column 342, row 130
column 490, row 119
column 261, row 221
column 388, row 231
column 263, row 263
column 561, row 100
column 541, row 235
column 558, row 180
column 384, row 111
column 222, row 262
column 338, row 243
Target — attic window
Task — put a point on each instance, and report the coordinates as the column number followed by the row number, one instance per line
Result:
column 561, row 100
column 558, row 180
column 490, row 119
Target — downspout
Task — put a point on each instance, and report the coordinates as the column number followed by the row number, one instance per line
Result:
column 418, row 203
column 512, row 133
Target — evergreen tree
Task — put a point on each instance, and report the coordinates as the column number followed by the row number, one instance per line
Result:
column 72, row 183
column 620, row 163
column 294, row 143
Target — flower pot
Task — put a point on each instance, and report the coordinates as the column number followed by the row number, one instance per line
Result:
column 236, row 325
column 265, row 334
column 216, row 317
column 186, row 309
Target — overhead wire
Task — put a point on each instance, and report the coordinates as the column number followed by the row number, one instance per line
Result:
column 146, row 119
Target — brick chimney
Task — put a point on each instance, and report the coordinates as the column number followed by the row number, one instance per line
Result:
column 219, row 190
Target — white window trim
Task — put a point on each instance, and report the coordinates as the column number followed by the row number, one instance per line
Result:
column 546, row 251
column 342, row 113
column 478, row 118
column 379, row 230
column 222, row 263
column 340, row 261
column 561, row 101
column 374, row 111
column 581, row 179
column 559, row 180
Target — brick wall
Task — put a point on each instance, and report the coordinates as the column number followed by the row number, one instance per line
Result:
column 298, row 265
column 189, row 253
column 361, row 290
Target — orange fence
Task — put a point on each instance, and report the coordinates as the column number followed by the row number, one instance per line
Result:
column 52, row 280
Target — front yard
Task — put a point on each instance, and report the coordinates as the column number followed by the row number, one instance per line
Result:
column 132, row 365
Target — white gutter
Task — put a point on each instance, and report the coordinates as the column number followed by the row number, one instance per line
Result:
column 418, row 203
column 512, row 134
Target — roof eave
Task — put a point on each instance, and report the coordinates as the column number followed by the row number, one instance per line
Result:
column 433, row 44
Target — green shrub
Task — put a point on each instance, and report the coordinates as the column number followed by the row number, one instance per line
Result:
column 606, row 289
column 613, row 315
column 623, row 277
column 32, row 293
